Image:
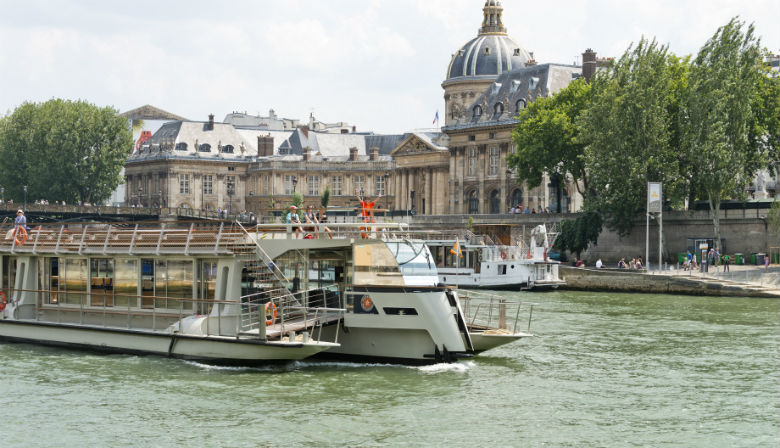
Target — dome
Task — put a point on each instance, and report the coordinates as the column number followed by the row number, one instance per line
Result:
column 489, row 54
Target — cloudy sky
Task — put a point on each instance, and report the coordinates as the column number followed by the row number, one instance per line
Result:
column 377, row 64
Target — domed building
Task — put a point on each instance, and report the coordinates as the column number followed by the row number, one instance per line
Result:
column 476, row 64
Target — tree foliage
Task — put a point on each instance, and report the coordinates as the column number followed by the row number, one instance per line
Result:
column 63, row 150
column 630, row 132
column 725, row 129
column 325, row 197
column 577, row 234
column 547, row 138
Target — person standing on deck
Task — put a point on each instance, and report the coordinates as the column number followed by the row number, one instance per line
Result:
column 20, row 220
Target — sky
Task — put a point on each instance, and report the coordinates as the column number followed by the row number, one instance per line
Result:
column 376, row 64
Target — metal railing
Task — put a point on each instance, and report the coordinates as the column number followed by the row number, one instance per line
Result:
column 485, row 312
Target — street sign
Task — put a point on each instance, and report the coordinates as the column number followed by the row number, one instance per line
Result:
column 654, row 197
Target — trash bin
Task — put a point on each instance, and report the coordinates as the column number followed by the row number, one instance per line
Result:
column 776, row 258
column 760, row 259
column 753, row 259
column 739, row 259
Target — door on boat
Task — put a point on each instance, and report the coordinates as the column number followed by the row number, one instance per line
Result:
column 207, row 283
column 101, row 282
column 147, row 283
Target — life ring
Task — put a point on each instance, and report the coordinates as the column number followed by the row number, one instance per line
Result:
column 366, row 303
column 503, row 255
column 272, row 312
column 3, row 301
column 20, row 239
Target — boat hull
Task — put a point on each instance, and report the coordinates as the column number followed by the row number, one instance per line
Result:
column 485, row 341
column 210, row 349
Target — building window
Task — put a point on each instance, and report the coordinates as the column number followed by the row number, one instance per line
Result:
column 208, row 184
column 227, row 149
column 314, row 185
column 181, row 146
column 231, row 168
column 520, row 105
column 267, row 185
column 492, row 135
column 493, row 162
column 473, row 203
column 472, row 138
column 288, row 185
column 477, row 111
column 205, row 147
column 184, row 184
column 472, row 162
column 336, row 183
column 379, row 182
column 360, row 183
column 498, row 109
column 495, row 202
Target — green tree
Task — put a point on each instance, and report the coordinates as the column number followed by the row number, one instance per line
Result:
column 577, row 234
column 547, row 138
column 630, row 130
column 325, row 197
column 63, row 150
column 725, row 131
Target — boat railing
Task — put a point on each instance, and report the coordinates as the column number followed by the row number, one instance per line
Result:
column 286, row 313
column 492, row 312
column 342, row 230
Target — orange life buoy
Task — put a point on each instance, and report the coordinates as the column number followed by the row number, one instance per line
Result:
column 3, row 301
column 20, row 240
column 503, row 255
column 366, row 303
column 270, row 313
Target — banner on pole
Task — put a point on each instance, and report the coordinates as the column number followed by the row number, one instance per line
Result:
column 654, row 198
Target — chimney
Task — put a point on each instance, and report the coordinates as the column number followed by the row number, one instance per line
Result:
column 305, row 131
column 353, row 154
column 588, row 64
column 354, row 129
column 373, row 153
column 211, row 123
column 265, row 145
column 532, row 61
column 306, row 154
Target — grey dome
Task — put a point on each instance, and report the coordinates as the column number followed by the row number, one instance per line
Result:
column 487, row 55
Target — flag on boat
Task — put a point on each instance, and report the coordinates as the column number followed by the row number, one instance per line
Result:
column 456, row 249
column 436, row 118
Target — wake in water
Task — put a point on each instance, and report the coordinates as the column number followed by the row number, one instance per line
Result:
column 459, row 367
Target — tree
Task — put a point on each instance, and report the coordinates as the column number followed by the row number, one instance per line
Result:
column 630, row 132
column 325, row 197
column 725, row 132
column 577, row 234
column 547, row 138
column 63, row 150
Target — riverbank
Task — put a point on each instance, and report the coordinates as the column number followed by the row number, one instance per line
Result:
column 741, row 281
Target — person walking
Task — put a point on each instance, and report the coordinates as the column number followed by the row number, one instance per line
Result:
column 726, row 262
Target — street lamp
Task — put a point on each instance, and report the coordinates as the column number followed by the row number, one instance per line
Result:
column 294, row 182
column 384, row 190
column 230, row 192
column 25, row 197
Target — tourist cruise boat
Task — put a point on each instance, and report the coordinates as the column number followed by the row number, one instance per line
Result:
column 226, row 294
column 481, row 264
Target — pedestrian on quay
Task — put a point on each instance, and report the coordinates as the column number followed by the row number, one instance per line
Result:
column 726, row 262
column 599, row 264
column 766, row 263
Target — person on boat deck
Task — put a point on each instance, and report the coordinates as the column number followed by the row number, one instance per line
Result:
column 366, row 210
column 293, row 218
column 20, row 220
column 310, row 219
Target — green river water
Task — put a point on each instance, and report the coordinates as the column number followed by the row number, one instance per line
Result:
column 603, row 370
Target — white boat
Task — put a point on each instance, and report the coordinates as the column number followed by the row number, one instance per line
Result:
column 485, row 265
column 226, row 294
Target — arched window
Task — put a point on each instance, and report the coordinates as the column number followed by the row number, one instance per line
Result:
column 517, row 197
column 473, row 203
column 181, row 146
column 227, row 149
column 495, row 202
column 477, row 111
column 498, row 109
column 205, row 147
column 520, row 105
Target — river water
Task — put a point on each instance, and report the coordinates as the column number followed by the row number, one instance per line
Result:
column 603, row 370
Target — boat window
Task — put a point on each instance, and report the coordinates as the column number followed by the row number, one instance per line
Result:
column 413, row 258
column 126, row 283
column 173, row 280
column 49, row 276
column 101, row 282
column 74, row 281
column 374, row 264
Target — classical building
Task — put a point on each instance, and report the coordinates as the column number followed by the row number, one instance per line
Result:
column 255, row 163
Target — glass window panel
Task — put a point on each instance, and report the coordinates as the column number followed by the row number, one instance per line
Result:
column 75, row 280
column 374, row 264
column 126, row 283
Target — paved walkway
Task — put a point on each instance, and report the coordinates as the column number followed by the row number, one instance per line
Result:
column 746, row 276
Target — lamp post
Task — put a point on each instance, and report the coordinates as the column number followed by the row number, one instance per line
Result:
column 140, row 192
column 294, row 182
column 25, row 197
column 230, row 192
column 384, row 190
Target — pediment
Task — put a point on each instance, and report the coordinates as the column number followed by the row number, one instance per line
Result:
column 413, row 145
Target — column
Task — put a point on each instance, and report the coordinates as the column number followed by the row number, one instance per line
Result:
column 431, row 201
